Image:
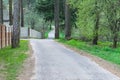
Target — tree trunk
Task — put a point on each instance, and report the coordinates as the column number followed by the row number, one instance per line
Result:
column 16, row 24
column 115, row 39
column 67, row 21
column 43, row 31
column 28, row 4
column 96, row 27
column 22, row 13
column 1, row 11
column 95, row 32
column 56, row 17
column 10, row 13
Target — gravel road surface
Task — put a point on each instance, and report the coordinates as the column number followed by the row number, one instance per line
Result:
column 53, row 61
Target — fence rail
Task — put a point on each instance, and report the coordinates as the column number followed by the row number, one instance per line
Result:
column 29, row 33
column 5, row 36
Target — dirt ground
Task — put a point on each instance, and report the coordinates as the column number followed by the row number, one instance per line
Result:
column 2, row 72
column 28, row 67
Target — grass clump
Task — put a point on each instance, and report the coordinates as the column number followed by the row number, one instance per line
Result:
column 102, row 50
column 13, row 59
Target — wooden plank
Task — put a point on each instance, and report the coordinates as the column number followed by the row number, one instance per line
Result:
column 3, row 36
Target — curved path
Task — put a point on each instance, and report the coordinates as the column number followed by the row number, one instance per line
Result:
column 56, row 62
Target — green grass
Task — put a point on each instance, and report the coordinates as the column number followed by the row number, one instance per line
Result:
column 102, row 50
column 46, row 33
column 62, row 35
column 13, row 59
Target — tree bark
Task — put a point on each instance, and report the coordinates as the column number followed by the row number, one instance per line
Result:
column 96, row 27
column 95, row 32
column 56, row 17
column 22, row 13
column 115, row 40
column 43, row 31
column 16, row 24
column 67, row 21
column 1, row 11
column 10, row 13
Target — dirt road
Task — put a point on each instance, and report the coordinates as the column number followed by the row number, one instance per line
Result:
column 56, row 62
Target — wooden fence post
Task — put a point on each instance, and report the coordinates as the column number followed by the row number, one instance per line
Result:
column 6, row 36
column 3, row 36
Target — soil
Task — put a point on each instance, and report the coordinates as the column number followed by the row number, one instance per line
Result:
column 28, row 66
column 111, row 67
column 2, row 71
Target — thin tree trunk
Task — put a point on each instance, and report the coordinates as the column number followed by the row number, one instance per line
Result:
column 95, row 32
column 96, row 27
column 22, row 14
column 16, row 24
column 10, row 13
column 28, row 4
column 67, row 21
column 43, row 31
column 115, row 39
column 1, row 11
column 56, row 17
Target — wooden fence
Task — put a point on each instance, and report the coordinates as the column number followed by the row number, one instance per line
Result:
column 5, row 36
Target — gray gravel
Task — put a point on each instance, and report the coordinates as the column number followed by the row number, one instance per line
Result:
column 56, row 62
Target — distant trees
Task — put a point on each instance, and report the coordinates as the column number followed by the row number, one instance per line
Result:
column 22, row 13
column 59, row 12
column 98, row 20
column 51, row 12
column 1, row 11
column 112, row 13
column 93, row 20
column 10, row 13
column 46, row 8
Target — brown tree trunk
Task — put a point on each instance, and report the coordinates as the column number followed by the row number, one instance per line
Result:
column 115, row 39
column 96, row 27
column 67, row 21
column 16, row 24
column 95, row 32
column 10, row 13
column 22, row 13
column 56, row 17
column 1, row 11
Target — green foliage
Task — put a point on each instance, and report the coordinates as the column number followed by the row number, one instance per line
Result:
column 35, row 21
column 102, row 50
column 109, row 14
column 85, row 17
column 46, row 7
column 13, row 60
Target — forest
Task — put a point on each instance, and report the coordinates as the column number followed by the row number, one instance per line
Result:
column 87, row 27
column 90, row 21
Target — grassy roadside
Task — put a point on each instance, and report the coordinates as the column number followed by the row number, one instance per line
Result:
column 12, row 59
column 46, row 33
column 102, row 50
